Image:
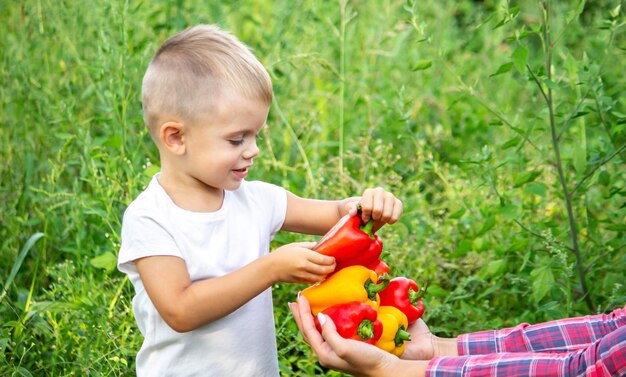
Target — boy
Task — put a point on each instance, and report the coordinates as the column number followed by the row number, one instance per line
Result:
column 195, row 243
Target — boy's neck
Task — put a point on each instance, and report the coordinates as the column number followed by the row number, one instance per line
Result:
column 190, row 194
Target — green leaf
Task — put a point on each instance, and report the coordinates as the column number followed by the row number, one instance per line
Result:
column 604, row 178
column 543, row 278
column 493, row 269
column 106, row 261
column 616, row 11
column 510, row 211
column 437, row 291
column 575, row 13
column 520, row 57
column 617, row 227
column 21, row 371
column 18, row 262
column 504, row 68
column 579, row 114
column 457, row 214
column 511, row 142
column 537, row 188
column 151, row 170
column 421, row 65
column 489, row 223
column 114, row 141
column 554, row 85
column 526, row 177
column 464, row 247
column 580, row 158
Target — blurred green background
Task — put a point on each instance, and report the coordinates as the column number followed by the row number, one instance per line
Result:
column 500, row 124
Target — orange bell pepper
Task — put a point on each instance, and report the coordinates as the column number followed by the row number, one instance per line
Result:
column 353, row 283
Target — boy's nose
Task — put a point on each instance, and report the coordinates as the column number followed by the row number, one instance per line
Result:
column 251, row 152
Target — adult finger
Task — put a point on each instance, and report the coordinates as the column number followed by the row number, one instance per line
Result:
column 307, row 324
column 336, row 346
column 295, row 311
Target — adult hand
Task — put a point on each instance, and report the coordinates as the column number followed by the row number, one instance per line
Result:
column 334, row 351
column 421, row 346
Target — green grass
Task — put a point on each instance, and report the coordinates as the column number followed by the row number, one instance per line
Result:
column 439, row 102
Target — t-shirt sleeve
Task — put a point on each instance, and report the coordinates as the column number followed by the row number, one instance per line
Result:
column 273, row 200
column 143, row 235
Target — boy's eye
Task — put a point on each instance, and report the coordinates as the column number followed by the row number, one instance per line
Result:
column 236, row 141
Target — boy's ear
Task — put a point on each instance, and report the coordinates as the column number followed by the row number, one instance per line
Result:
column 171, row 135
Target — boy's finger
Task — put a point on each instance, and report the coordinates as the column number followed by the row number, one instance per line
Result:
column 366, row 207
column 392, row 206
column 378, row 207
column 398, row 208
column 352, row 207
column 305, row 245
column 322, row 259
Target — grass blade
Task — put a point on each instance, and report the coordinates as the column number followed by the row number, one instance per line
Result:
column 18, row 262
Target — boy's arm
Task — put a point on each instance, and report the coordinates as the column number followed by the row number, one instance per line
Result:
column 186, row 305
column 311, row 216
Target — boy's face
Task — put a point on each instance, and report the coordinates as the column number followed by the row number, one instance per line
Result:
column 222, row 145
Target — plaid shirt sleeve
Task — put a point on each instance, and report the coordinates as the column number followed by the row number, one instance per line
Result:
column 582, row 346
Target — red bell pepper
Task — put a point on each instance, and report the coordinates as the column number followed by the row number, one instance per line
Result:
column 351, row 243
column 379, row 267
column 355, row 320
column 404, row 294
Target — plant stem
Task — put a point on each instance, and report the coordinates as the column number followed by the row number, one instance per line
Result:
column 557, row 154
column 312, row 183
column 598, row 166
column 342, row 82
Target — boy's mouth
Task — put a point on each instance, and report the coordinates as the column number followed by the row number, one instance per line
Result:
column 241, row 173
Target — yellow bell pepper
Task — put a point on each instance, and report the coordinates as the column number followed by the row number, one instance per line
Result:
column 394, row 335
column 353, row 283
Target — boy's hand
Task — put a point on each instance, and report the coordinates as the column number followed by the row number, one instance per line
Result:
column 297, row 263
column 377, row 204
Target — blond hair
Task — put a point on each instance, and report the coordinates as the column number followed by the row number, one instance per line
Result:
column 193, row 68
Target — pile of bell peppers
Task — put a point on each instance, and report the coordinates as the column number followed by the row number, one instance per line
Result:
column 359, row 296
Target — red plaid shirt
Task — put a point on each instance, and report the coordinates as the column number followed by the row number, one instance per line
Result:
column 583, row 346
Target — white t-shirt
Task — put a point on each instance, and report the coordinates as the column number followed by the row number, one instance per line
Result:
column 212, row 244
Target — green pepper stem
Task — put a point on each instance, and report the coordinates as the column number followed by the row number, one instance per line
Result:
column 367, row 228
column 366, row 330
column 401, row 336
column 414, row 295
column 372, row 288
